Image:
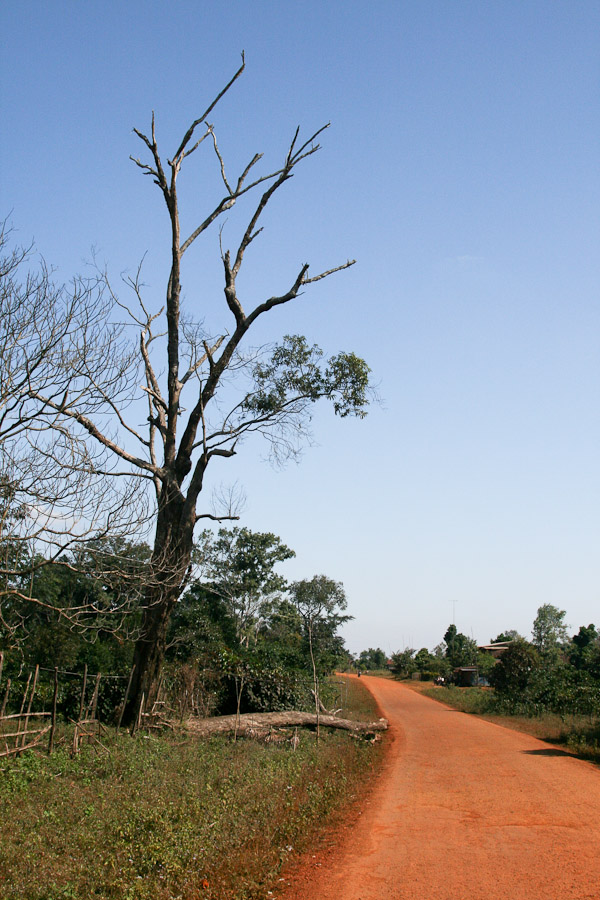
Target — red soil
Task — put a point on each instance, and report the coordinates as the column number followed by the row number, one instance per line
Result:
column 463, row 810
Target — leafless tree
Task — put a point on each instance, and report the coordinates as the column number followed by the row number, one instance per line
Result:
column 54, row 496
column 231, row 390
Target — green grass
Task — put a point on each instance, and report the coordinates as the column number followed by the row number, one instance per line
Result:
column 580, row 735
column 157, row 818
column 470, row 700
column 380, row 673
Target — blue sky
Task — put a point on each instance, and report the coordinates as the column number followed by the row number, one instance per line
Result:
column 461, row 170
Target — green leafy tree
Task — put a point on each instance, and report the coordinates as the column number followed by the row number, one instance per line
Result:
column 460, row 649
column 320, row 602
column 424, row 659
column 102, row 581
column 485, row 664
column 504, row 636
column 202, row 625
column 585, row 650
column 427, row 664
column 221, row 622
column 282, row 636
column 372, row 659
column 239, row 565
column 403, row 663
column 549, row 629
column 513, row 673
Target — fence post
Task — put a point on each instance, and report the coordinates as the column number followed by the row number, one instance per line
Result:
column 23, row 701
column 91, row 713
column 125, row 699
column 4, row 702
column 138, row 721
column 82, row 701
column 54, row 701
column 33, row 687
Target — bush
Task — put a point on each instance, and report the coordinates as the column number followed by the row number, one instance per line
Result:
column 512, row 675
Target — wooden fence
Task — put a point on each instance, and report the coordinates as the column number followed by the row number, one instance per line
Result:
column 30, row 727
column 25, row 729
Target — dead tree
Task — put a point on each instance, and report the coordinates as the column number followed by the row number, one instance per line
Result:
column 57, row 490
column 216, row 390
column 251, row 723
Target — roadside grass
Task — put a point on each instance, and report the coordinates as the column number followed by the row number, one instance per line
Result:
column 158, row 818
column 379, row 673
column 361, row 705
column 579, row 734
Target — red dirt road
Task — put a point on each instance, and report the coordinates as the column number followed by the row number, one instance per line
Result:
column 464, row 810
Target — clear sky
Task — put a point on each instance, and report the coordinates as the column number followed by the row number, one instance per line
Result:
column 462, row 171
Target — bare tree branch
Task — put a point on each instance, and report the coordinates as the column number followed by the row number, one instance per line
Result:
column 188, row 135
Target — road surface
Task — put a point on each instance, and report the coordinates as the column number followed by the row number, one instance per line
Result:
column 464, row 810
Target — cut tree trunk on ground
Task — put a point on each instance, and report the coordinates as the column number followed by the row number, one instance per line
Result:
column 252, row 722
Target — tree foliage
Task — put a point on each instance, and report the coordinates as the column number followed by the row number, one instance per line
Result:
column 584, row 653
column 403, row 663
column 509, row 635
column 372, row 659
column 460, row 650
column 549, row 629
column 513, row 672
column 239, row 566
column 98, row 585
column 320, row 602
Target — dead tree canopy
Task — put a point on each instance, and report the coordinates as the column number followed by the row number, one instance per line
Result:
column 58, row 490
column 204, row 392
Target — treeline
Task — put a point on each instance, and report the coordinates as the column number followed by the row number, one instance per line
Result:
column 454, row 651
column 554, row 672
column 241, row 638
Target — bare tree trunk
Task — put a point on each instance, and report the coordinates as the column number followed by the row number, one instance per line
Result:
column 149, row 654
column 54, row 702
column 250, row 723
column 315, row 679
column 239, row 687
column 169, row 568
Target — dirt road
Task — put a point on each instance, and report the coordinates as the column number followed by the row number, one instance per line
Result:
column 465, row 810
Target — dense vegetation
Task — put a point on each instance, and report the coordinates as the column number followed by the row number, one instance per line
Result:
column 239, row 638
column 454, row 651
column 554, row 677
column 553, row 672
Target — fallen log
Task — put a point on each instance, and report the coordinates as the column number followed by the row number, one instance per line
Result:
column 252, row 722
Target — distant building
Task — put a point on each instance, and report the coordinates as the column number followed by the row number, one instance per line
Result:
column 466, row 676
column 495, row 650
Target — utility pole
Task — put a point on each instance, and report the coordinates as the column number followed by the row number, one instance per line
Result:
column 454, row 602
